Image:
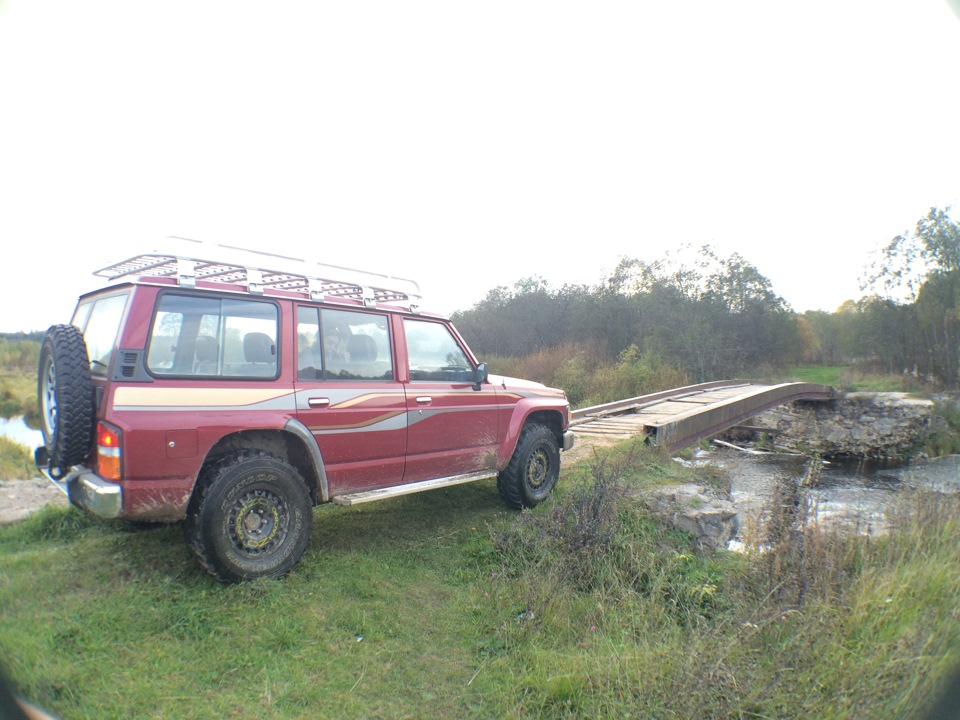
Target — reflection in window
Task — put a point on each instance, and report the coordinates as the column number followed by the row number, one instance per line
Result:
column 214, row 337
column 434, row 353
column 103, row 319
column 356, row 346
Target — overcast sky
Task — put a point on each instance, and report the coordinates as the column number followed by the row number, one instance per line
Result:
column 468, row 145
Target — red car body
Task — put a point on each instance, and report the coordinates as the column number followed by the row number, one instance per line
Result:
column 353, row 393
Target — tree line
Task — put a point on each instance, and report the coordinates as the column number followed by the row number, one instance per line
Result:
column 695, row 316
column 719, row 318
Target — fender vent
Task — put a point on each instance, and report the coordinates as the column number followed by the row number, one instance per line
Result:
column 127, row 366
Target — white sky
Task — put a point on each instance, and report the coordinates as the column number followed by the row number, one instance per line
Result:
column 469, row 145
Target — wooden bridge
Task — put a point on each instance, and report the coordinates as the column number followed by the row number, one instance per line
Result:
column 680, row 417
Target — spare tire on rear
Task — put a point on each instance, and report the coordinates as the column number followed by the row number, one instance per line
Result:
column 65, row 397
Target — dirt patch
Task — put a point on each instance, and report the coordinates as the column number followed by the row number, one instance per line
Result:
column 19, row 498
column 584, row 446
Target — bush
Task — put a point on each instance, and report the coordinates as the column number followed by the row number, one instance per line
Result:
column 635, row 373
column 946, row 439
column 16, row 462
column 598, row 540
column 18, row 394
column 588, row 377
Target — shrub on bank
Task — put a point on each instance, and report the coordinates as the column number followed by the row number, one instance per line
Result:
column 16, row 461
column 805, row 623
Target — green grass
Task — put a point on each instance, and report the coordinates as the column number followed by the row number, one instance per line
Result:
column 16, row 461
column 823, row 374
column 446, row 605
column 849, row 378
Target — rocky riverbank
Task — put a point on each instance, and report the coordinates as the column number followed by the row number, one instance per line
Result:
column 865, row 425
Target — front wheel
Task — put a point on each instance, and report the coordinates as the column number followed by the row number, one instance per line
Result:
column 251, row 517
column 533, row 470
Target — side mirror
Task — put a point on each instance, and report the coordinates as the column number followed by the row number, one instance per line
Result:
column 480, row 375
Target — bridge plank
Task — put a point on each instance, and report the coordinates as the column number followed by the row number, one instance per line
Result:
column 683, row 416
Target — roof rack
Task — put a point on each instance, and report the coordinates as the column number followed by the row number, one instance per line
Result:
column 190, row 260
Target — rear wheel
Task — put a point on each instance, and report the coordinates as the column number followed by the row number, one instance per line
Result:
column 65, row 398
column 533, row 470
column 251, row 517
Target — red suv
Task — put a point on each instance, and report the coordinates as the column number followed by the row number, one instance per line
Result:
column 235, row 390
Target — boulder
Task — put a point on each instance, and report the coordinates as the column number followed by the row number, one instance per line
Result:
column 696, row 509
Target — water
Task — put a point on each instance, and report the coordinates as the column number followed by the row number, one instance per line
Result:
column 16, row 429
column 849, row 495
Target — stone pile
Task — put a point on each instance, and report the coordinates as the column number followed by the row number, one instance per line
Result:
column 710, row 518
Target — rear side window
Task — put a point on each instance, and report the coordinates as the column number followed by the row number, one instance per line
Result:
column 99, row 319
column 342, row 345
column 214, row 338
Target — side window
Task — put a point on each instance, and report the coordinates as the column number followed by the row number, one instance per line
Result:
column 81, row 314
column 309, row 363
column 213, row 337
column 101, row 320
column 434, row 354
column 355, row 346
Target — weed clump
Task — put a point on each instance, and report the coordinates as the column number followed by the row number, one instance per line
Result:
column 598, row 540
column 571, row 538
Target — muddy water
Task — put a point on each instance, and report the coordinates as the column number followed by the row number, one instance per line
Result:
column 848, row 495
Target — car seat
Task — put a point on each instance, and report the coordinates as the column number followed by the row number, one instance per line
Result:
column 206, row 350
column 361, row 348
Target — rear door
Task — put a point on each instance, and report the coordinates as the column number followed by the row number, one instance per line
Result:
column 348, row 396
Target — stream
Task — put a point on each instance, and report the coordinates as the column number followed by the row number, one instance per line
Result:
column 849, row 495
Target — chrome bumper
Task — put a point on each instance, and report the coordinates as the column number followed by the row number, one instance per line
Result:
column 89, row 491
column 567, row 440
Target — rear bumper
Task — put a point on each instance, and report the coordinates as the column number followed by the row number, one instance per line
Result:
column 567, row 440
column 88, row 491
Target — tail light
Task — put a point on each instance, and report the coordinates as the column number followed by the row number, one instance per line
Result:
column 109, row 451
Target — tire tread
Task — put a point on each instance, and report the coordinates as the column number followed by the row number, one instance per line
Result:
column 510, row 481
column 73, row 436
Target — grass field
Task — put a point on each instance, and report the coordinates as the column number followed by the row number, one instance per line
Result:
column 847, row 378
column 446, row 605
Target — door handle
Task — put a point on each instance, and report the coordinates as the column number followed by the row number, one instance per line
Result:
column 424, row 400
column 318, row 402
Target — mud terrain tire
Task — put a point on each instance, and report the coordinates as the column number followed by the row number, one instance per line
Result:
column 250, row 517
column 533, row 470
column 65, row 398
